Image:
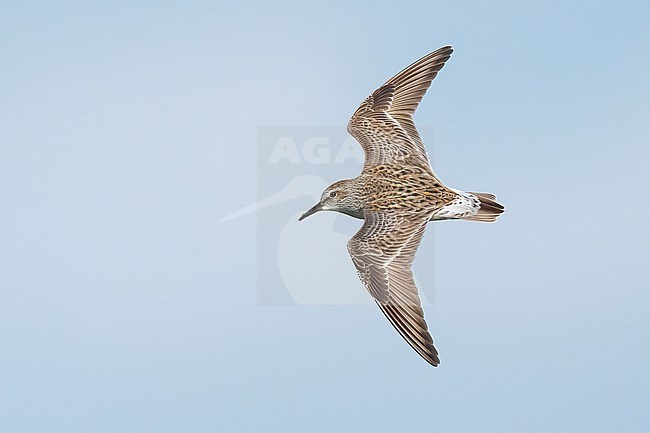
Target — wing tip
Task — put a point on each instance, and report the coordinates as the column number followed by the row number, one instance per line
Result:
column 434, row 361
column 447, row 50
column 431, row 357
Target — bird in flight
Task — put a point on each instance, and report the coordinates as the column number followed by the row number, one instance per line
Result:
column 397, row 194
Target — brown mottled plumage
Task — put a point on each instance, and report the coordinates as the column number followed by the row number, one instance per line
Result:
column 397, row 194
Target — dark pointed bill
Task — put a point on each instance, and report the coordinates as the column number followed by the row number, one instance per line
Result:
column 313, row 210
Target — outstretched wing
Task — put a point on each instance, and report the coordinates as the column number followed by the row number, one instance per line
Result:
column 383, row 252
column 383, row 124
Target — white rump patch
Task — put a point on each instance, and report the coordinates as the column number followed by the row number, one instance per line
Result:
column 464, row 205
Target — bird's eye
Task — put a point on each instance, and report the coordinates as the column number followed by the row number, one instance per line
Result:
column 333, row 194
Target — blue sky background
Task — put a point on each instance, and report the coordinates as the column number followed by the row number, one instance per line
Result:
column 127, row 129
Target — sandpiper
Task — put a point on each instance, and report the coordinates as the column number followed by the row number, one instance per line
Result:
column 397, row 194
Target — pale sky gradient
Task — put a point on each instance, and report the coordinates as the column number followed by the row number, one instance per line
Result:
column 128, row 129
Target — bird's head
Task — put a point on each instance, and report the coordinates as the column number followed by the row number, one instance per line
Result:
column 340, row 197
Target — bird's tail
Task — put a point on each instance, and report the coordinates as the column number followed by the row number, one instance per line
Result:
column 489, row 210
